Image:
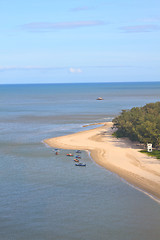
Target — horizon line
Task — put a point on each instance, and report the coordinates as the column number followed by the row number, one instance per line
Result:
column 78, row 83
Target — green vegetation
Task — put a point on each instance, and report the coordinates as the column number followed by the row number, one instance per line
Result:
column 140, row 124
column 154, row 153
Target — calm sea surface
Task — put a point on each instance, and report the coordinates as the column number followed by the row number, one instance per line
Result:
column 44, row 196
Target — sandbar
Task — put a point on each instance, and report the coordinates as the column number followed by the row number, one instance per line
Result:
column 120, row 156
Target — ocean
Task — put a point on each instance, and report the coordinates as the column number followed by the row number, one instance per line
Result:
column 44, row 196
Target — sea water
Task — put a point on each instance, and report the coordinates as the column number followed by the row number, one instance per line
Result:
column 43, row 196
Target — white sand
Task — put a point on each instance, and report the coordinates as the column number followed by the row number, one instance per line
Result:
column 120, row 156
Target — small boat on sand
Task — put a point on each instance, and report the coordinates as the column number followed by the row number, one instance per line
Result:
column 69, row 154
column 80, row 164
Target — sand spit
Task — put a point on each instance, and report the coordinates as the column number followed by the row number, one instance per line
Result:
column 120, row 156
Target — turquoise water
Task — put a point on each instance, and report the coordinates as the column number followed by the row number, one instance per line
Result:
column 44, row 196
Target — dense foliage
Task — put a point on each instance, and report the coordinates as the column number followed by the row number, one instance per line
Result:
column 140, row 124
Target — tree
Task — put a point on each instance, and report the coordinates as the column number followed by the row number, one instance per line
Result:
column 140, row 124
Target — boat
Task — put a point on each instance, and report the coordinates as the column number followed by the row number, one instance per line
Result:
column 57, row 153
column 78, row 151
column 78, row 156
column 76, row 160
column 80, row 164
column 99, row 98
column 69, row 154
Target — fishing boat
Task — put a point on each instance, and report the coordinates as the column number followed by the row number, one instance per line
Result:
column 78, row 156
column 76, row 160
column 69, row 154
column 78, row 151
column 80, row 164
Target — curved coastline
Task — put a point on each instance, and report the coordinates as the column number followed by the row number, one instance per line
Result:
column 120, row 156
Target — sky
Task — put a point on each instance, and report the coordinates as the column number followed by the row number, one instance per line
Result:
column 65, row 41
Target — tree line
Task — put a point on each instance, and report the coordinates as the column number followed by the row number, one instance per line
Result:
column 140, row 124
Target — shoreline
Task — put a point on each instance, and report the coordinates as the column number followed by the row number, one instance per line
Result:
column 120, row 156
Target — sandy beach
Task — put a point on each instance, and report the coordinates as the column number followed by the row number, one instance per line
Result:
column 120, row 156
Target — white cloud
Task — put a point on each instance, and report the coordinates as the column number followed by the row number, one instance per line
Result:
column 140, row 28
column 49, row 26
column 59, row 68
column 12, row 68
column 75, row 70
column 151, row 20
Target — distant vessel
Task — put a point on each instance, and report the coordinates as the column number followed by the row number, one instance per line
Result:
column 99, row 98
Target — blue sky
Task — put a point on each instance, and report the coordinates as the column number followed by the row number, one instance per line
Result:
column 53, row 41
